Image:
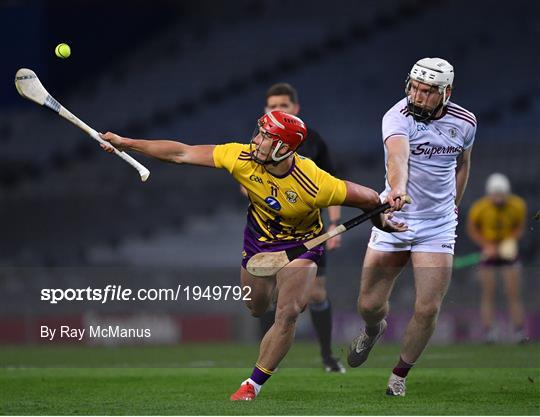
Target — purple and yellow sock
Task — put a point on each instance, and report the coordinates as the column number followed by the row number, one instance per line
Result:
column 260, row 374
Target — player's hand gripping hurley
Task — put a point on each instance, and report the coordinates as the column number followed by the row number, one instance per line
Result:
column 267, row 264
column 29, row 87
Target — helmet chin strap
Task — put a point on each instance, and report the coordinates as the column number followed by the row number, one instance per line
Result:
column 446, row 98
column 276, row 150
column 420, row 114
column 274, row 159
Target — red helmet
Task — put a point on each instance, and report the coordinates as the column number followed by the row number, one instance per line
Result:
column 285, row 127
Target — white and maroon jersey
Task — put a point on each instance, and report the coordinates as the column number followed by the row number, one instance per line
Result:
column 434, row 149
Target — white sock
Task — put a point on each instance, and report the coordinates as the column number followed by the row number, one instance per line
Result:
column 255, row 385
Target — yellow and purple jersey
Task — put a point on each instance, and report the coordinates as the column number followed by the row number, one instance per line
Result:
column 496, row 223
column 282, row 208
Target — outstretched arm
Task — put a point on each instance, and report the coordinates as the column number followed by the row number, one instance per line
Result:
column 165, row 150
column 397, row 168
column 361, row 197
column 367, row 199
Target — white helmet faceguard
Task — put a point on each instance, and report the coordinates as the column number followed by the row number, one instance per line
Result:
column 436, row 72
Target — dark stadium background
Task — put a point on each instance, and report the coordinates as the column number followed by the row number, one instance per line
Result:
column 72, row 216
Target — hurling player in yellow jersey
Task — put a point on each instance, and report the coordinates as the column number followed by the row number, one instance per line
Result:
column 286, row 193
column 284, row 97
column 495, row 221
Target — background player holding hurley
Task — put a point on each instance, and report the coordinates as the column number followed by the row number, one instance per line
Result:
column 286, row 193
column 495, row 223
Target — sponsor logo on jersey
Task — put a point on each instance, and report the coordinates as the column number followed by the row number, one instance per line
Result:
column 255, row 178
column 447, row 246
column 420, row 127
column 272, row 203
column 291, row 196
column 429, row 151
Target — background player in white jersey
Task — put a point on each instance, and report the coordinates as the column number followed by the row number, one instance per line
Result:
column 286, row 193
column 427, row 143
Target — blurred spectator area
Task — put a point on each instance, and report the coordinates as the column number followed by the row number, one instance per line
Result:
column 197, row 71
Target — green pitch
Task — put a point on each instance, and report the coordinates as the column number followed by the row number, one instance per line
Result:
column 198, row 379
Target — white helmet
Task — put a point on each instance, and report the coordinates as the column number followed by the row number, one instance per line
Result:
column 497, row 184
column 432, row 71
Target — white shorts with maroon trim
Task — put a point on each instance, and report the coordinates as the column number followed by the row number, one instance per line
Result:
column 430, row 235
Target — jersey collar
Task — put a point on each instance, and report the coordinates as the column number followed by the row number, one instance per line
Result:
column 286, row 173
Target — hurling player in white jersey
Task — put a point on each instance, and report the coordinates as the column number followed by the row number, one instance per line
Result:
column 427, row 143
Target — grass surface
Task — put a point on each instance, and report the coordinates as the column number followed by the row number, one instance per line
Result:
column 198, row 379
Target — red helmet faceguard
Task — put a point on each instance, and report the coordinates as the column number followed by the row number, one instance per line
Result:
column 282, row 128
